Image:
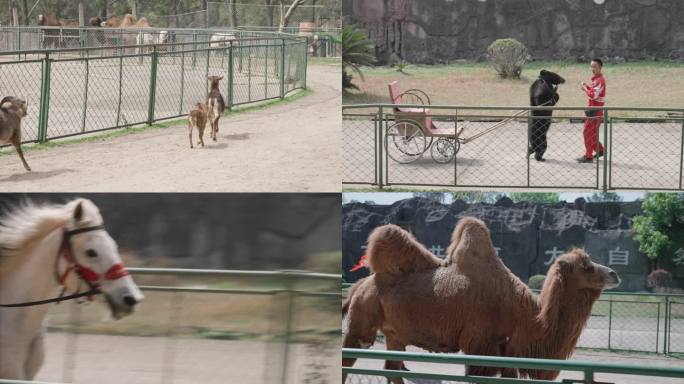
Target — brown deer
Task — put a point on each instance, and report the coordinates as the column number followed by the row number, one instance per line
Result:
column 215, row 104
column 197, row 118
column 12, row 110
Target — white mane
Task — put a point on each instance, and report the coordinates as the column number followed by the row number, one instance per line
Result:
column 24, row 224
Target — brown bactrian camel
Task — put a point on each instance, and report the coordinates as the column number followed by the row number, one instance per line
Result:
column 470, row 301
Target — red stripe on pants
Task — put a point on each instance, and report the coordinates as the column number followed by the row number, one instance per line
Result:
column 590, row 136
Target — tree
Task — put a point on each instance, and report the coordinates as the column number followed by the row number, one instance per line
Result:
column 653, row 227
column 355, row 53
column 285, row 18
column 435, row 196
column 471, row 197
column 604, row 196
column 535, row 197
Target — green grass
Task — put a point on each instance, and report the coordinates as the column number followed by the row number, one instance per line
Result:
column 659, row 84
column 334, row 61
column 131, row 130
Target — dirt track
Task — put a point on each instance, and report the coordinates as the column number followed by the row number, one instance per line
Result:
column 152, row 360
column 292, row 147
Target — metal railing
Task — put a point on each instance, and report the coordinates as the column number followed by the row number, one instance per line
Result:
column 588, row 369
column 487, row 147
column 76, row 91
column 187, row 304
column 631, row 321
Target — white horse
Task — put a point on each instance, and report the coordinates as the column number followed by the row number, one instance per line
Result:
column 40, row 247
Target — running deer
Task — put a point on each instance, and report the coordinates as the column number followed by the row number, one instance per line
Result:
column 12, row 110
column 197, row 118
column 215, row 104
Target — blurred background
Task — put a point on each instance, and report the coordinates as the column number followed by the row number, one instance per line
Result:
column 277, row 322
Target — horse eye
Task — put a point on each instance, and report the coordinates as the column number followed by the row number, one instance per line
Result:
column 589, row 268
column 91, row 253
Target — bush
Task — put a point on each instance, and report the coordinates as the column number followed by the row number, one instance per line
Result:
column 659, row 279
column 508, row 57
column 536, row 281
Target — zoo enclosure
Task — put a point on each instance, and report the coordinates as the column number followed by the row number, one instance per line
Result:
column 321, row 43
column 588, row 369
column 177, row 299
column 639, row 322
column 77, row 91
column 644, row 148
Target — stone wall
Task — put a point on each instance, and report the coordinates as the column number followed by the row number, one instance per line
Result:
column 528, row 236
column 433, row 31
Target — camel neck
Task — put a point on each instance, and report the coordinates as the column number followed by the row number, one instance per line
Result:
column 562, row 327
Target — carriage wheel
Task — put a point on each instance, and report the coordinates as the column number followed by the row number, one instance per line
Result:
column 406, row 142
column 444, row 150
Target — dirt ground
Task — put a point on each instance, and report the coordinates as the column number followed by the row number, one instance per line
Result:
column 291, row 147
column 592, row 356
column 107, row 359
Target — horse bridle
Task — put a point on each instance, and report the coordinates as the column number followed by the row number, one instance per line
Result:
column 85, row 274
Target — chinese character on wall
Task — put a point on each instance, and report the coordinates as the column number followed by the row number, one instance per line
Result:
column 618, row 257
column 553, row 255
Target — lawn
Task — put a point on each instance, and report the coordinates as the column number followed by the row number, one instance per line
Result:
column 639, row 84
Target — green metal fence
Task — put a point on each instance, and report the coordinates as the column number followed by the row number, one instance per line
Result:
column 292, row 316
column 588, row 369
column 487, row 147
column 76, row 91
column 631, row 321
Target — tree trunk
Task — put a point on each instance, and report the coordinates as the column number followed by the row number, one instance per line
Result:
column 269, row 3
column 233, row 14
column 25, row 12
column 284, row 19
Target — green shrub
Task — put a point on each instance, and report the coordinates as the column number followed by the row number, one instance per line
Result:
column 536, row 281
column 508, row 57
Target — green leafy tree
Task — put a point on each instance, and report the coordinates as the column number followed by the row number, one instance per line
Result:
column 654, row 225
column 436, row 196
column 508, row 57
column 471, row 197
column 356, row 52
column 535, row 197
column 604, row 196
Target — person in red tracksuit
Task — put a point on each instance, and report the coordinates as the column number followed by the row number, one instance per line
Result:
column 596, row 91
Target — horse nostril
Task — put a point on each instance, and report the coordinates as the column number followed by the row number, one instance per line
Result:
column 130, row 300
column 613, row 274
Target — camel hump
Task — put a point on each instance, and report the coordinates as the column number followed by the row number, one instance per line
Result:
column 393, row 252
column 471, row 241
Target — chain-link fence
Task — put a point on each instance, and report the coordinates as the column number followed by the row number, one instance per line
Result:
column 506, row 147
column 76, row 91
column 443, row 369
column 627, row 321
column 204, row 326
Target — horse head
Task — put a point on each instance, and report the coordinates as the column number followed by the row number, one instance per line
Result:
column 96, row 257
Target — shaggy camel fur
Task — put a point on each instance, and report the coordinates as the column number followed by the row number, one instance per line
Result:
column 470, row 301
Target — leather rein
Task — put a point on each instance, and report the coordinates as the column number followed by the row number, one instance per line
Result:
column 85, row 274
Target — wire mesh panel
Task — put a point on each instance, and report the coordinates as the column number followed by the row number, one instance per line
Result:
column 635, row 326
column 645, row 153
column 23, row 80
column 359, row 138
column 199, row 327
column 554, row 147
column 73, row 91
column 675, row 332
